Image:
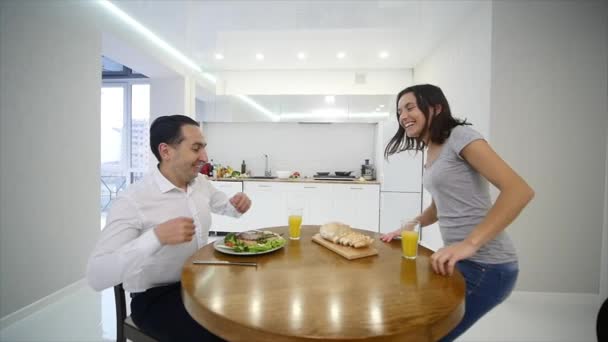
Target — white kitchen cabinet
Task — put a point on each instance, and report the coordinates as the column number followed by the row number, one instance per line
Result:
column 223, row 223
column 431, row 235
column 402, row 172
column 314, row 198
column 357, row 205
column 268, row 205
column 354, row 204
column 396, row 206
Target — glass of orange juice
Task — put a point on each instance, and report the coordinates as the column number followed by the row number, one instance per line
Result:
column 295, row 223
column 410, row 234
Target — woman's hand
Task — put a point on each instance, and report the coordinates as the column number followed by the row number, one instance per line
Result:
column 389, row 236
column 445, row 258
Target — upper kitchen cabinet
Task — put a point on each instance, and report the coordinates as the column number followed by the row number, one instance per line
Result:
column 293, row 108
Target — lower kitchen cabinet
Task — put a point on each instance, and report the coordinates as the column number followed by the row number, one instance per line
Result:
column 268, row 205
column 357, row 205
column 315, row 199
column 397, row 206
column 226, row 223
column 354, row 204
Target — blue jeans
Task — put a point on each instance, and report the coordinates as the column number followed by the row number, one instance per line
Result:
column 487, row 286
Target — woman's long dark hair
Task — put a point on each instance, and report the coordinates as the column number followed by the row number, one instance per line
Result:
column 427, row 96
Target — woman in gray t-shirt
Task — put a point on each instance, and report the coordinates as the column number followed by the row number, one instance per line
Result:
column 459, row 165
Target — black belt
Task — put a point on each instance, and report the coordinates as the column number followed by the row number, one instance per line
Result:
column 155, row 291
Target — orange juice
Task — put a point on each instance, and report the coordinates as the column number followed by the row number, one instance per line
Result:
column 409, row 244
column 295, row 222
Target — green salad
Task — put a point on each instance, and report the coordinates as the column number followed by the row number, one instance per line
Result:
column 254, row 241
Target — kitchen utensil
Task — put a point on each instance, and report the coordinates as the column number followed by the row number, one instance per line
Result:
column 283, row 174
column 343, row 173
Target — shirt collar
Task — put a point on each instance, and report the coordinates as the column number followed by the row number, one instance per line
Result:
column 163, row 183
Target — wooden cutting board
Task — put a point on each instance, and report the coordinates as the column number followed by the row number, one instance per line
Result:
column 349, row 253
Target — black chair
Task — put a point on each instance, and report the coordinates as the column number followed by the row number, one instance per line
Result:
column 602, row 322
column 125, row 328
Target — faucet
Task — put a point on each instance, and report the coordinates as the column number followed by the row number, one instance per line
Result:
column 267, row 171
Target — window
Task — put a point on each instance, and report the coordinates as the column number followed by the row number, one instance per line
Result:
column 125, row 126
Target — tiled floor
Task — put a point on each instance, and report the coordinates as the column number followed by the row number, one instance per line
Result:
column 86, row 315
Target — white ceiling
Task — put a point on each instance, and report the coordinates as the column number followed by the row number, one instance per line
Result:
column 407, row 30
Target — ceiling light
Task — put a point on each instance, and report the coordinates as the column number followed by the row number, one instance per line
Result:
column 258, row 106
column 383, row 54
column 151, row 36
column 259, row 56
column 219, row 56
column 381, row 106
column 301, row 55
column 330, row 99
column 341, row 55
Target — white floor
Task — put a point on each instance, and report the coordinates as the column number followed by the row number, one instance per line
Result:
column 86, row 315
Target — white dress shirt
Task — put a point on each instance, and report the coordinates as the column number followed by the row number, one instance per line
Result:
column 128, row 250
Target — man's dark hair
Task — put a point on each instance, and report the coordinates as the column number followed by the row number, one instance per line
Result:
column 168, row 130
column 427, row 97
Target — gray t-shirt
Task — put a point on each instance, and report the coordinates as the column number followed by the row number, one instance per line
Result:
column 462, row 197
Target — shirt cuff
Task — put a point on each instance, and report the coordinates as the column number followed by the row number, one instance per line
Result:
column 231, row 211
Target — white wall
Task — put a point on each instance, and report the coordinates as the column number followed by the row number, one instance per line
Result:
column 549, row 119
column 49, row 148
column 307, row 148
column 461, row 68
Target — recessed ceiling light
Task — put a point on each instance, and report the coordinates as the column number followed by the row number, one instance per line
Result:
column 381, row 106
column 330, row 99
column 259, row 56
column 341, row 55
column 219, row 56
column 301, row 55
column 383, row 54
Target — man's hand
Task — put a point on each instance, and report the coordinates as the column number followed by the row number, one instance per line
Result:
column 175, row 231
column 241, row 202
column 444, row 259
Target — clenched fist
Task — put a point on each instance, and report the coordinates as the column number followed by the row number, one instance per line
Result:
column 240, row 202
column 175, row 231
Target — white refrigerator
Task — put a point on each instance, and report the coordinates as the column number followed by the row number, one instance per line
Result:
column 401, row 193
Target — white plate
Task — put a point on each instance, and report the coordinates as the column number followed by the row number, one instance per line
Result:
column 220, row 247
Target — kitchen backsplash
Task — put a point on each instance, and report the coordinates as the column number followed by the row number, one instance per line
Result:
column 307, row 148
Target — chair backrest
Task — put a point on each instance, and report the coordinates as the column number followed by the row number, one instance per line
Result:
column 601, row 326
column 121, row 310
column 125, row 327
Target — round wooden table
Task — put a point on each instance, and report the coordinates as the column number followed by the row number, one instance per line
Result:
column 306, row 292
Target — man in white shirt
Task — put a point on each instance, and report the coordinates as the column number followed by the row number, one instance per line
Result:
column 155, row 225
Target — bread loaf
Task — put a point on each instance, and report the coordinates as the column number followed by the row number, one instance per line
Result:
column 340, row 233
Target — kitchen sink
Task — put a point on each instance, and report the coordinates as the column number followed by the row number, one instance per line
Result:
column 261, row 177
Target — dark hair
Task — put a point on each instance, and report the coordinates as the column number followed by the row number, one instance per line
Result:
column 427, row 96
column 168, row 130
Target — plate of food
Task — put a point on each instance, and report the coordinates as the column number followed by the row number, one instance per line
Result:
column 251, row 242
